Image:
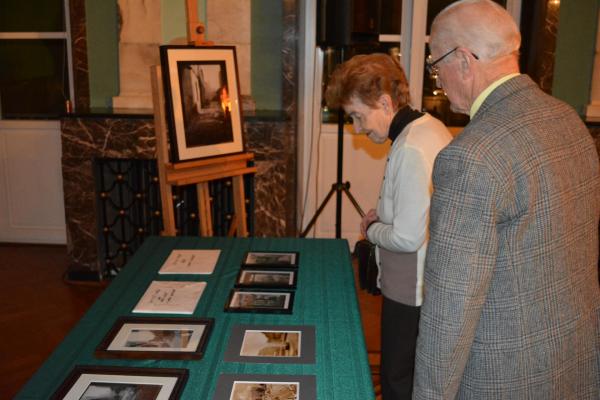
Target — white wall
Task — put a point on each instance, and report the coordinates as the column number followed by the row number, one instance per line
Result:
column 363, row 166
column 31, row 195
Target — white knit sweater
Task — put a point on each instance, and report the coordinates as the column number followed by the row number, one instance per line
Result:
column 403, row 207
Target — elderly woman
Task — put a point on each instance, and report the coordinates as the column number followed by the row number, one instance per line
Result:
column 373, row 91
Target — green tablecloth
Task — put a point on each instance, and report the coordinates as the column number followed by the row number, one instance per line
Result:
column 325, row 297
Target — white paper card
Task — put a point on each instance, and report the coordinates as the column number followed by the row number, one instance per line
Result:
column 190, row 262
column 170, row 297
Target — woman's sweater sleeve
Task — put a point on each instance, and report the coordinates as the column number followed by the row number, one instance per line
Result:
column 407, row 194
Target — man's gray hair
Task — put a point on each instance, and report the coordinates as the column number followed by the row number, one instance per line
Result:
column 482, row 26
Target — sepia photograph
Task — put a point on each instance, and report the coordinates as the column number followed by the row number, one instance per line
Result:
column 265, row 391
column 176, row 339
column 265, row 387
column 203, row 101
column 261, row 278
column 271, row 259
column 156, row 338
column 121, row 383
column 260, row 301
column 271, row 344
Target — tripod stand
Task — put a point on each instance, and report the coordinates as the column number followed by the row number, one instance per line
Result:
column 338, row 187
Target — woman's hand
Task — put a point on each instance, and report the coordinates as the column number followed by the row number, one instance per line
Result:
column 370, row 217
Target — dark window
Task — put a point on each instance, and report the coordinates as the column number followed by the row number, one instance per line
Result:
column 32, row 16
column 34, row 66
column 33, row 78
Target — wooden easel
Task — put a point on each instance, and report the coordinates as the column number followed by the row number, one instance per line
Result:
column 199, row 172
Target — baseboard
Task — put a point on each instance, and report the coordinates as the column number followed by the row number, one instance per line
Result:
column 83, row 275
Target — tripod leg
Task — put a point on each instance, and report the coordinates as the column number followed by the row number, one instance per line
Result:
column 319, row 211
column 346, row 189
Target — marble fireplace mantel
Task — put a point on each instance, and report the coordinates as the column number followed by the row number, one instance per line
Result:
column 131, row 136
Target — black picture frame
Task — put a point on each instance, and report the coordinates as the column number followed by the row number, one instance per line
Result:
column 271, row 259
column 181, row 338
column 260, row 301
column 267, row 278
column 306, row 384
column 203, row 101
column 84, row 378
column 241, row 347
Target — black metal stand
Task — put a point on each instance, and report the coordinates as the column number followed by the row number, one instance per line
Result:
column 338, row 187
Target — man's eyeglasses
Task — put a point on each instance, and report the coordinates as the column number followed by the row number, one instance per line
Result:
column 433, row 70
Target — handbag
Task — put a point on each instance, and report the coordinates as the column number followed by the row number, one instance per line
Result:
column 367, row 266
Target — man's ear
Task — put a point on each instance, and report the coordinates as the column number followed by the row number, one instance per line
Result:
column 465, row 60
column 385, row 101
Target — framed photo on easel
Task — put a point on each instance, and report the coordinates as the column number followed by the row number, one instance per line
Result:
column 202, row 98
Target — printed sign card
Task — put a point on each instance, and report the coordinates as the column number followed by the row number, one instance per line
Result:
column 191, row 262
column 165, row 297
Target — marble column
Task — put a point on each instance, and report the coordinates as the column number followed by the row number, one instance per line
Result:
column 79, row 49
column 139, row 41
column 228, row 22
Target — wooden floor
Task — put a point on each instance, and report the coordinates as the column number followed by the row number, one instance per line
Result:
column 38, row 308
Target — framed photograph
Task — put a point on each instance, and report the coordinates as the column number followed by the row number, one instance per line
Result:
column 156, row 338
column 261, row 301
column 266, row 278
column 203, row 102
column 96, row 382
column 272, row 344
column 273, row 259
column 256, row 387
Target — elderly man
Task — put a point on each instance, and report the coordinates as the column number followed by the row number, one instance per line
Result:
column 512, row 303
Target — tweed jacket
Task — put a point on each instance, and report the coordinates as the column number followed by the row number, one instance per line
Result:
column 512, row 302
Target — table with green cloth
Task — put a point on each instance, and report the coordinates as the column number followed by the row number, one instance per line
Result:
column 325, row 297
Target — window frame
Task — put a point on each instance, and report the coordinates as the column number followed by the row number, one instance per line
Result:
column 309, row 122
column 412, row 41
column 414, row 29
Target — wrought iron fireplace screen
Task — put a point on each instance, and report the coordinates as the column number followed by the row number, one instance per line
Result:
column 129, row 209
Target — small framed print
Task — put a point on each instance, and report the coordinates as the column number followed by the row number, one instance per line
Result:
column 278, row 259
column 266, row 278
column 261, row 301
column 250, row 386
column 99, row 382
column 156, row 338
column 272, row 344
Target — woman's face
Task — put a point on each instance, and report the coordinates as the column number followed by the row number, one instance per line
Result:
column 372, row 121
